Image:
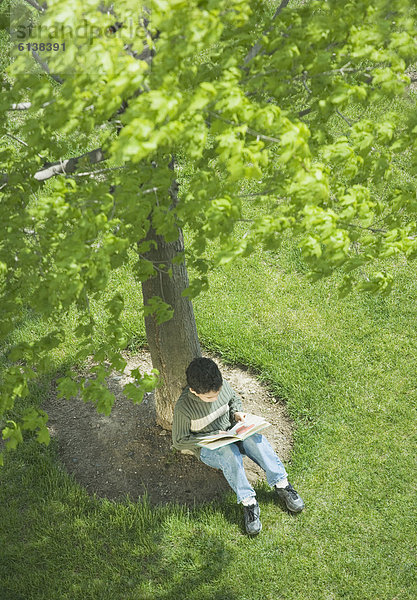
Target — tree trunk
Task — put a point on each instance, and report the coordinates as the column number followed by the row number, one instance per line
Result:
column 172, row 344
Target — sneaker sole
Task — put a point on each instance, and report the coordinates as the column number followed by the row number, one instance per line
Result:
column 296, row 510
column 292, row 510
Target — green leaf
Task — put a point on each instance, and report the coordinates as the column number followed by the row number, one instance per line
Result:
column 134, row 392
column 34, row 419
column 117, row 361
column 43, row 436
column 98, row 393
column 144, row 383
column 158, row 309
column 12, row 435
column 67, row 387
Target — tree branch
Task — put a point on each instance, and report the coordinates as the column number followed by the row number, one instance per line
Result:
column 305, row 112
column 344, row 118
column 254, row 51
column 45, row 67
column 36, row 5
column 283, row 4
column 21, row 106
column 69, row 165
column 98, row 171
column 13, row 137
column 304, row 81
column 373, row 230
column 340, row 71
column 250, row 131
column 27, row 105
column 66, row 166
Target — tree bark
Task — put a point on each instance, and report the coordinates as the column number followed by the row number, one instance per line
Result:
column 172, row 344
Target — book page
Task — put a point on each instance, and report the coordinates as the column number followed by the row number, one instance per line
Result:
column 240, row 431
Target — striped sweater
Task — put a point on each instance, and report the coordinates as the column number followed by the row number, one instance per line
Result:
column 194, row 417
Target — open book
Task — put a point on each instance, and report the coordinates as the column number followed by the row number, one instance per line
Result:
column 243, row 429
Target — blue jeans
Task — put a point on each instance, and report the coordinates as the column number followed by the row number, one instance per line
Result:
column 229, row 460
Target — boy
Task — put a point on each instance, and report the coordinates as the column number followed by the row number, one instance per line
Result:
column 209, row 405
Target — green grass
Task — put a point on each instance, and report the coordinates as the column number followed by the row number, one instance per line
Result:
column 347, row 372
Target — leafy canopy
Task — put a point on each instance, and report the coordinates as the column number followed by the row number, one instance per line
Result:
column 231, row 97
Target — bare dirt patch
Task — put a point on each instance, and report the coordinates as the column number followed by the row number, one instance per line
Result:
column 127, row 454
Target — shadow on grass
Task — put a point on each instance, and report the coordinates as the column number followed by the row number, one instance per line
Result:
column 59, row 542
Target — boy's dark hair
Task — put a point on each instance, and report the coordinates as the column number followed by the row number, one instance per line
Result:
column 203, row 375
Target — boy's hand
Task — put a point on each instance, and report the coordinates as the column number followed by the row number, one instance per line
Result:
column 239, row 416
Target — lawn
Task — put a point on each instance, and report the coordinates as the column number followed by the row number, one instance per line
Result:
column 346, row 369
